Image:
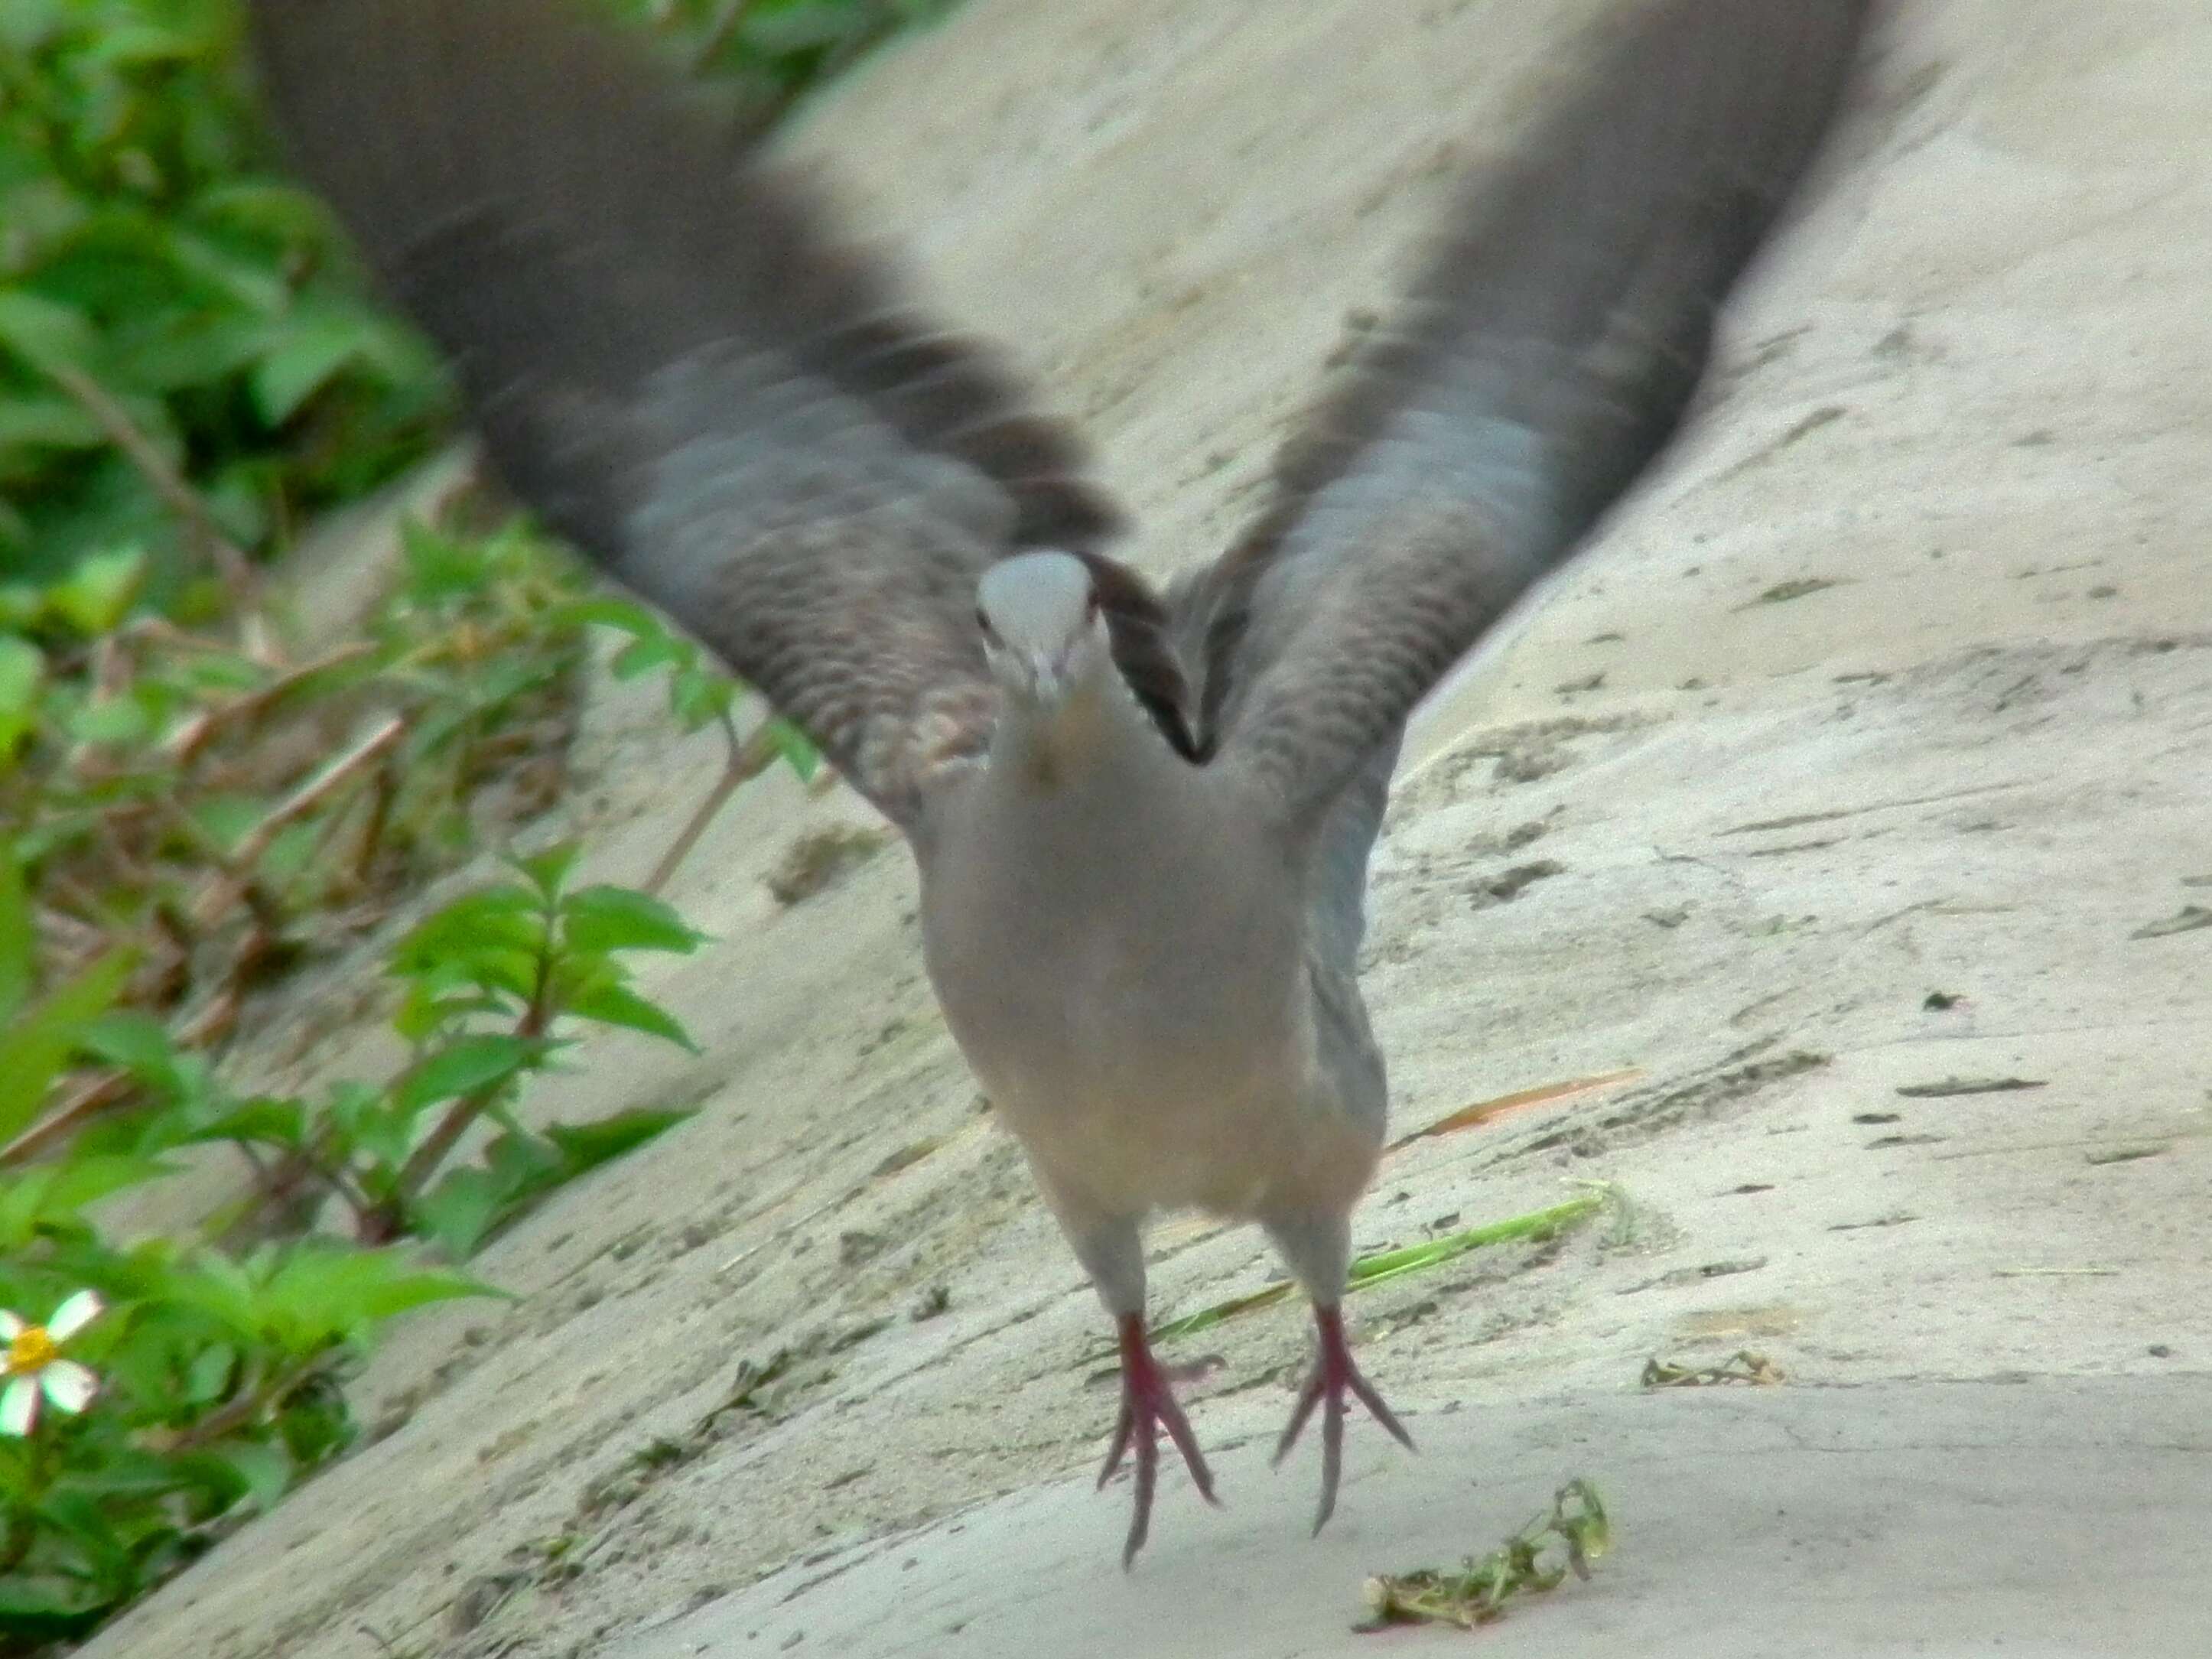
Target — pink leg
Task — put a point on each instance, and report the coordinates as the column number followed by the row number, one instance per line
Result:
column 1332, row 1375
column 1148, row 1405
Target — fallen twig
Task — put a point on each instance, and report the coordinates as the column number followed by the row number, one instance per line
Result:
column 184, row 745
column 1488, row 1111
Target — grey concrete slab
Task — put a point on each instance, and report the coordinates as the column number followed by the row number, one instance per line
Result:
column 1899, row 682
column 2029, row 1518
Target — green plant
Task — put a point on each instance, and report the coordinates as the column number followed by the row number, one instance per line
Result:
column 217, row 1392
column 188, row 368
column 772, row 52
column 215, row 1377
column 219, row 814
column 188, row 364
column 492, row 986
column 218, row 1373
column 487, row 980
column 1382, row 1266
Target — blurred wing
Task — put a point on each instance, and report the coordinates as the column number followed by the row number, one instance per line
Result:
column 672, row 364
column 1545, row 356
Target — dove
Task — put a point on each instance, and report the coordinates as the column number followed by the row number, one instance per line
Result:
column 1142, row 818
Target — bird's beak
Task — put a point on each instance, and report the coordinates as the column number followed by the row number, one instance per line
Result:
column 1048, row 676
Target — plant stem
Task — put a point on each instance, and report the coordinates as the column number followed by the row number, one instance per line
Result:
column 231, row 564
column 745, row 759
column 316, row 790
column 109, row 1089
column 184, row 745
column 243, row 1407
column 385, row 1221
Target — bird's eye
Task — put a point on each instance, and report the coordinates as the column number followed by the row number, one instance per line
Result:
column 983, row 621
column 1091, row 605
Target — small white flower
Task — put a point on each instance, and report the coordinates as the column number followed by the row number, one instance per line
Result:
column 34, row 1366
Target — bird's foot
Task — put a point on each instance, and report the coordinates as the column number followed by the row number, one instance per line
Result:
column 1148, row 1405
column 1333, row 1375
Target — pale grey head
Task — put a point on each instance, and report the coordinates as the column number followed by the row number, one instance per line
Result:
column 1044, row 630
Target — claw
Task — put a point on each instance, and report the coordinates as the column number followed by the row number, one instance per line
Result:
column 1148, row 1405
column 1332, row 1376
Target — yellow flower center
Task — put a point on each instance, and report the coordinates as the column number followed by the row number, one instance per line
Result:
column 32, row 1350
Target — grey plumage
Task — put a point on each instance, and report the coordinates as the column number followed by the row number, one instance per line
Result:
column 1142, row 926
column 1544, row 354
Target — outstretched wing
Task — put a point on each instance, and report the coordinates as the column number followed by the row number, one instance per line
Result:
column 671, row 362
column 1543, row 356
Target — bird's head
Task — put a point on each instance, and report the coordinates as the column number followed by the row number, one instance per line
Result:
column 1043, row 629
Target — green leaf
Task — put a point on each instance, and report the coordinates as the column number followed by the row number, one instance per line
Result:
column 47, row 422
column 48, row 1610
column 268, row 1118
column 126, row 42
column 45, row 332
column 127, row 1472
column 808, row 25
column 79, row 1513
column 585, row 1146
column 116, row 720
column 602, row 918
column 649, row 651
column 100, row 591
column 697, row 694
column 466, row 1066
column 38, row 1046
column 798, row 749
column 19, row 938
column 136, row 1042
column 215, row 1284
column 608, row 611
column 250, row 283
column 460, row 1209
column 311, row 353
column 348, row 1100
column 23, row 672
column 440, row 568
column 208, row 1379
column 522, row 1160
column 548, row 870
column 262, row 209
column 430, row 1008
column 496, row 923
column 87, row 1178
column 384, row 1133
column 263, row 1471
column 321, row 1294
column 303, row 1296
column 52, row 1197
column 612, row 1004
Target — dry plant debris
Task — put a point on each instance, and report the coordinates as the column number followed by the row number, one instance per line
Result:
column 1742, row 1366
column 1535, row 1560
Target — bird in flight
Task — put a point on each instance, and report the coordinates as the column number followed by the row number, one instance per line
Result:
column 1142, row 818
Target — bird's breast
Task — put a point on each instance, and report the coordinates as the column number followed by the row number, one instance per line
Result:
column 1125, row 976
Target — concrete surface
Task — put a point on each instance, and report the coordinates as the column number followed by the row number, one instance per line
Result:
column 1893, row 1519
column 1869, row 756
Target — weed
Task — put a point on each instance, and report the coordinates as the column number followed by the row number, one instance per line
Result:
column 1742, row 1366
column 1535, row 1560
column 1382, row 1266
